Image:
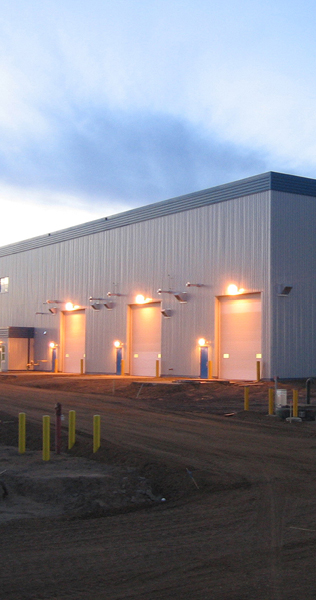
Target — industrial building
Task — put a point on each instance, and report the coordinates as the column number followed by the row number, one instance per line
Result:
column 219, row 279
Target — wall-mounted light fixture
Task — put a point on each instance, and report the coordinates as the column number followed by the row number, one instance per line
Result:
column 234, row 290
column 180, row 296
column 69, row 306
column 118, row 344
column 109, row 294
column 166, row 312
column 140, row 299
column 284, row 290
column 188, row 284
column 53, row 345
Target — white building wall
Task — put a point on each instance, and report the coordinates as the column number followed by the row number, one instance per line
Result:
column 222, row 243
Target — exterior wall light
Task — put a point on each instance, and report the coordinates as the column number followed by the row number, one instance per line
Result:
column 188, row 284
column 233, row 290
column 70, row 306
column 117, row 344
column 284, row 290
column 140, row 299
column 202, row 342
column 52, row 345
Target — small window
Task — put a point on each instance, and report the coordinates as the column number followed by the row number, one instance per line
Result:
column 4, row 285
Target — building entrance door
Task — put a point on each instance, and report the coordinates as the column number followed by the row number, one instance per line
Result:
column 74, row 340
column 240, row 336
column 145, row 338
column 204, row 362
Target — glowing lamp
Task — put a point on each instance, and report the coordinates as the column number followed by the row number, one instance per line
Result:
column 232, row 289
column 202, row 342
column 140, row 299
column 117, row 344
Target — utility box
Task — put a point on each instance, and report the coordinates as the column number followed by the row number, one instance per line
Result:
column 281, row 398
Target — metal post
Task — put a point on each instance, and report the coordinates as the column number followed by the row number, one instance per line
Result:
column 81, row 366
column 96, row 432
column 246, row 398
column 56, row 365
column 258, row 370
column 157, row 368
column 71, row 429
column 209, row 369
column 271, row 401
column 22, row 432
column 46, row 437
column 122, row 367
column 295, row 403
column 58, row 428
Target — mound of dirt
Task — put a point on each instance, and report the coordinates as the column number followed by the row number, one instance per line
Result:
column 67, row 486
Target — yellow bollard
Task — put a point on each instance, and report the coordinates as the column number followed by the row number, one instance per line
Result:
column 56, row 366
column 157, row 368
column 271, row 401
column 209, row 369
column 22, row 432
column 71, row 429
column 295, row 403
column 258, row 370
column 46, row 437
column 81, row 366
column 122, row 367
column 96, row 432
column 246, row 398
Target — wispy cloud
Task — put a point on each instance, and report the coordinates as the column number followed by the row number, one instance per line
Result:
column 116, row 104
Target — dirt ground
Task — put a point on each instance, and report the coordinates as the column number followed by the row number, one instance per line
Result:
column 189, row 496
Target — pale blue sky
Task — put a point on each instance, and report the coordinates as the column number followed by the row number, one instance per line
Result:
column 108, row 105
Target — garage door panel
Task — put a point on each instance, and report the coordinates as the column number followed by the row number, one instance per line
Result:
column 145, row 339
column 240, row 336
column 74, row 340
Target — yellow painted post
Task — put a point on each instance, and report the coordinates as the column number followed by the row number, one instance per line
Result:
column 209, row 369
column 96, row 432
column 157, row 368
column 22, row 432
column 122, row 367
column 295, row 403
column 258, row 370
column 271, row 401
column 56, row 366
column 71, row 429
column 246, row 398
column 81, row 366
column 46, row 437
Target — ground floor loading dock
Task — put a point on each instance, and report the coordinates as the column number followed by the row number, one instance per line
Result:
column 233, row 354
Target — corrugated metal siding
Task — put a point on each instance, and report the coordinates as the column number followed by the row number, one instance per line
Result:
column 293, row 262
column 215, row 245
column 229, row 191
